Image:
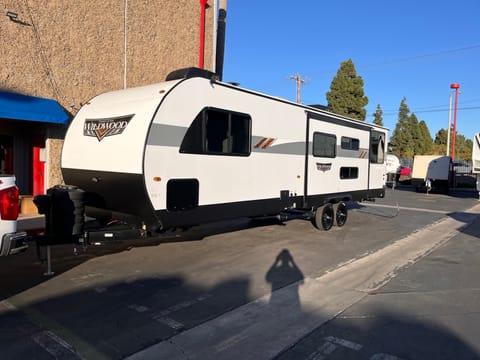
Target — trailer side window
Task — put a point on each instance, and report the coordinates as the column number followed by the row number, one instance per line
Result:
column 324, row 145
column 349, row 173
column 349, row 143
column 377, row 147
column 219, row 132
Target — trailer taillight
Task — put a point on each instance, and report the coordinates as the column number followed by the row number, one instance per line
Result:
column 9, row 203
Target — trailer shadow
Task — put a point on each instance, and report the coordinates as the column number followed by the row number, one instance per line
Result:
column 30, row 268
column 197, row 233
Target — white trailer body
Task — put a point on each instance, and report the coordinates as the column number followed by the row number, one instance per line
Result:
column 193, row 150
column 476, row 158
column 393, row 164
column 476, row 154
column 432, row 172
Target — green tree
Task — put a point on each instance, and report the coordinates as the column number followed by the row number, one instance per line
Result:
column 378, row 116
column 440, row 142
column 346, row 96
column 425, row 144
column 441, row 137
column 401, row 142
column 463, row 146
column 414, row 131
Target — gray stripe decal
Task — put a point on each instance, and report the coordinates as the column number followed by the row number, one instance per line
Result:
column 166, row 135
column 352, row 153
column 292, row 148
column 172, row 135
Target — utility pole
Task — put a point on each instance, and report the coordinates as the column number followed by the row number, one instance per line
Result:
column 299, row 81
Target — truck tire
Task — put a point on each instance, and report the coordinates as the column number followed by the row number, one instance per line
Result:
column 341, row 214
column 324, row 217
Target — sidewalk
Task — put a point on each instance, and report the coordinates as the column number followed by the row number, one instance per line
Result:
column 430, row 310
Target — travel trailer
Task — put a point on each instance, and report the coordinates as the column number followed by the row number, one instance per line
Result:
column 193, row 150
column 432, row 173
column 476, row 154
column 476, row 158
column 393, row 169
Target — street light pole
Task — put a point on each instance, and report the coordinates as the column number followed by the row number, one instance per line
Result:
column 456, row 87
column 449, row 123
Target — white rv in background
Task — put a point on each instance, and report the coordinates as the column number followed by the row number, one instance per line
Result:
column 432, row 172
column 193, row 150
column 476, row 158
column 393, row 169
column 476, row 154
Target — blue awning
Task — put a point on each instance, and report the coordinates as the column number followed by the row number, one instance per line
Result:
column 31, row 108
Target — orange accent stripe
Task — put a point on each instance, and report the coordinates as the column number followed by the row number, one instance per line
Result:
column 268, row 143
column 260, row 143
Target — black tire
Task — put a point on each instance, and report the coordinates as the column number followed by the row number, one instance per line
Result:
column 341, row 214
column 324, row 217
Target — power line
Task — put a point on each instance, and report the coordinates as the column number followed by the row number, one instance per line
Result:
column 421, row 56
column 431, row 111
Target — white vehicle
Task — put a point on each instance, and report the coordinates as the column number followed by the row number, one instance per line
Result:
column 192, row 150
column 432, row 172
column 393, row 164
column 11, row 241
column 476, row 154
column 393, row 169
column 476, row 158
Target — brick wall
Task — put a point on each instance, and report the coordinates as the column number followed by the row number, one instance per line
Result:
column 71, row 51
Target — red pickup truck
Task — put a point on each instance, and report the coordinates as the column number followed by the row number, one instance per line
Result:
column 11, row 241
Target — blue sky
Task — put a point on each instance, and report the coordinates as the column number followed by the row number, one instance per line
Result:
column 412, row 49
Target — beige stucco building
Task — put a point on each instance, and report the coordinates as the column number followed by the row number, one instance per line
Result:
column 70, row 51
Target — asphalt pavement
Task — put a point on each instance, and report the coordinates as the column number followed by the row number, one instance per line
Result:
column 417, row 298
column 413, row 294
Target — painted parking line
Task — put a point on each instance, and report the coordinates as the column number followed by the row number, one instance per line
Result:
column 332, row 343
column 163, row 317
column 55, row 346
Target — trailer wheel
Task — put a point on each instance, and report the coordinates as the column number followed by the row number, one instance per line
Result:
column 341, row 214
column 324, row 217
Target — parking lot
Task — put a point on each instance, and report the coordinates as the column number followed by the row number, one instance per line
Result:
column 401, row 268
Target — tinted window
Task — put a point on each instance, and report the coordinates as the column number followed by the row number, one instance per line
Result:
column 324, row 145
column 216, row 131
column 377, row 147
column 350, row 143
column 348, row 173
